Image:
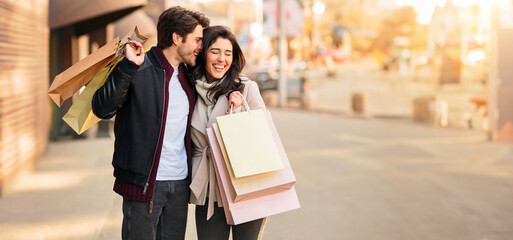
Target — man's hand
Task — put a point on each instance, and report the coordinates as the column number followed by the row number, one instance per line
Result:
column 131, row 53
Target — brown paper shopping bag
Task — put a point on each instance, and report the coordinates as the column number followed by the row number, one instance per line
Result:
column 75, row 77
column 80, row 116
column 81, row 73
column 249, row 143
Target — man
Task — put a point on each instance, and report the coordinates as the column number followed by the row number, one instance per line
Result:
column 153, row 102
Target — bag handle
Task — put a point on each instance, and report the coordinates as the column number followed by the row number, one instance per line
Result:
column 127, row 39
column 246, row 106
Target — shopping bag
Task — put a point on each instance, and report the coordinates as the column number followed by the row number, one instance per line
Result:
column 250, row 209
column 258, row 185
column 80, row 116
column 249, row 144
column 81, row 73
column 72, row 79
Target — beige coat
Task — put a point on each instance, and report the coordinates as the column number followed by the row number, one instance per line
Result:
column 204, row 182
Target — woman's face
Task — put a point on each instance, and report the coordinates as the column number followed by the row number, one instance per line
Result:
column 219, row 59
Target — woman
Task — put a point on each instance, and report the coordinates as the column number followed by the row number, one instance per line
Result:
column 219, row 85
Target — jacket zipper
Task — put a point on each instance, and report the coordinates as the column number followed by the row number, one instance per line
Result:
column 151, row 205
column 155, row 153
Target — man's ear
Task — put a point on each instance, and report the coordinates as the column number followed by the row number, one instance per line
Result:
column 177, row 38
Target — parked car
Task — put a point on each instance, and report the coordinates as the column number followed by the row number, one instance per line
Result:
column 267, row 78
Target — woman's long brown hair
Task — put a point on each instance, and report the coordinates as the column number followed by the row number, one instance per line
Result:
column 231, row 80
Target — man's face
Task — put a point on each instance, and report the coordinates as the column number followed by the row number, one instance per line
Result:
column 188, row 50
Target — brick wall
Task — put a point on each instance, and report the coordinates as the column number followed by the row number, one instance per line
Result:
column 24, row 104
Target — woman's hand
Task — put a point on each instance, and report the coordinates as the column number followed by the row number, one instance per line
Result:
column 131, row 52
column 235, row 99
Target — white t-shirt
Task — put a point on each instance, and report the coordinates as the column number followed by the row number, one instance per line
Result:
column 173, row 158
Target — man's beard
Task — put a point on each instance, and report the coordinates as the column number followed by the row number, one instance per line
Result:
column 186, row 56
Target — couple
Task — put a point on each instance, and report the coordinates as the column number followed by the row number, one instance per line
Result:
column 164, row 100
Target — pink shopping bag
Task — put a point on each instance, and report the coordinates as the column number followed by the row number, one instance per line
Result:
column 250, row 209
column 248, row 187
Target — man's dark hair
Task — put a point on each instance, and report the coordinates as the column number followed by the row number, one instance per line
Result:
column 178, row 20
column 231, row 80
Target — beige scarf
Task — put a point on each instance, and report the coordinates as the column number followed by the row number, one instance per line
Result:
column 205, row 105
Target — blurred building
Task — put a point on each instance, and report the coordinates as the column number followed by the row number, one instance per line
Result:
column 346, row 29
column 501, row 76
column 458, row 39
column 446, row 42
column 77, row 29
column 40, row 39
column 24, row 103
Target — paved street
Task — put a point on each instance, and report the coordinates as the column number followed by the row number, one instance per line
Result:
column 391, row 179
column 357, row 178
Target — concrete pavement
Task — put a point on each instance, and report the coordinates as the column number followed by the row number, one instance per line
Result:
column 357, row 178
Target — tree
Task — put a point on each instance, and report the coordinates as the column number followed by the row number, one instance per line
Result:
column 402, row 23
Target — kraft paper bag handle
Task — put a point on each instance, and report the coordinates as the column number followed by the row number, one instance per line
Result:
column 246, row 106
column 127, row 39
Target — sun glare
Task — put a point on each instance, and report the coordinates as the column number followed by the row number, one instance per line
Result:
column 425, row 9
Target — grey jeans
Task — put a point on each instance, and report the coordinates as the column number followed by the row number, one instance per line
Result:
column 169, row 213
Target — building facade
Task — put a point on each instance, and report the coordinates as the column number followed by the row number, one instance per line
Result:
column 24, row 114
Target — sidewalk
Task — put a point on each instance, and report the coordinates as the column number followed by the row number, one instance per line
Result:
column 357, row 178
column 67, row 196
column 391, row 94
